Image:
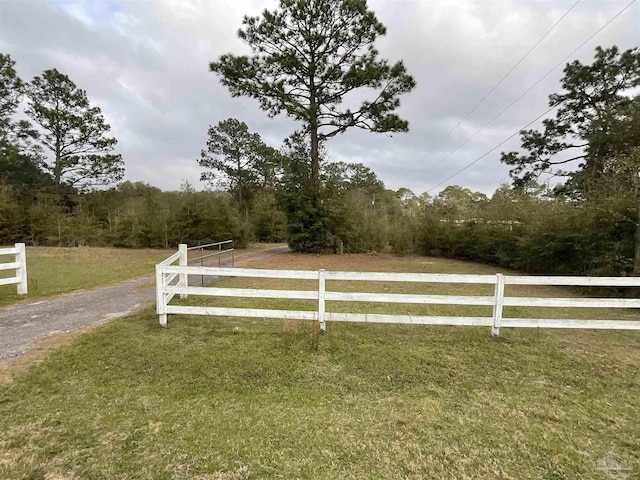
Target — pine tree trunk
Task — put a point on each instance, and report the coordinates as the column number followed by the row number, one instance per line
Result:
column 313, row 129
column 315, row 160
column 239, row 185
column 636, row 256
column 57, row 169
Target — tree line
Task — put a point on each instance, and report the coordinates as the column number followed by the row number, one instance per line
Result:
column 308, row 59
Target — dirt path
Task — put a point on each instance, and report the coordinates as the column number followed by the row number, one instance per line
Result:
column 23, row 324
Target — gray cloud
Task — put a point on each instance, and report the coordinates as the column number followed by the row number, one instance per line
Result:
column 146, row 65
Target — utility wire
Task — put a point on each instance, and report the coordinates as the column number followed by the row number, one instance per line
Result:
column 517, row 99
column 497, row 146
column 481, row 101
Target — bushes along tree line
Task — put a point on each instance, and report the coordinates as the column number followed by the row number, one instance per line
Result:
column 588, row 223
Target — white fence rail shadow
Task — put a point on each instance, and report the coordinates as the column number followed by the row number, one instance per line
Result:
column 19, row 265
column 166, row 273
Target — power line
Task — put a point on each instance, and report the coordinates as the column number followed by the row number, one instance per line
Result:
column 497, row 146
column 475, row 107
column 518, row 98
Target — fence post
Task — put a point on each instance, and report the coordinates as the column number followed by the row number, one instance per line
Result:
column 321, row 290
column 182, row 261
column 21, row 258
column 202, row 265
column 161, row 306
column 497, row 307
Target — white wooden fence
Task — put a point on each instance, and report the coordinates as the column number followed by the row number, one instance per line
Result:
column 19, row 265
column 166, row 274
column 181, row 279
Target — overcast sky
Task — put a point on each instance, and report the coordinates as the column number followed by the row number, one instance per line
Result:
column 145, row 64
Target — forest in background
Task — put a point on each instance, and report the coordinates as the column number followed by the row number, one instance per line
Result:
column 61, row 178
column 533, row 230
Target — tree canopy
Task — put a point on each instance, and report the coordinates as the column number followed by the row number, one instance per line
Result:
column 597, row 119
column 11, row 90
column 73, row 131
column 20, row 157
column 307, row 58
column 236, row 158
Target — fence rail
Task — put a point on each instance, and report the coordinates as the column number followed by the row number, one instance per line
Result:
column 498, row 300
column 226, row 247
column 19, row 265
column 168, row 281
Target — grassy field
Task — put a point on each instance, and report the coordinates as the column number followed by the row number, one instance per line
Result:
column 211, row 398
column 60, row 270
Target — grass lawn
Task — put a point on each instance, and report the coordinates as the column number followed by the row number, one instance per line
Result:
column 51, row 270
column 203, row 399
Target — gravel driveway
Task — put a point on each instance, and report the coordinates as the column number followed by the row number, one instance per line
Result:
column 21, row 325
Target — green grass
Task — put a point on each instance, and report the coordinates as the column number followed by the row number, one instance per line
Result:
column 52, row 271
column 202, row 399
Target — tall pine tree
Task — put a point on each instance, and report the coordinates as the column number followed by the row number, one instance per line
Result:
column 74, row 132
column 308, row 57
